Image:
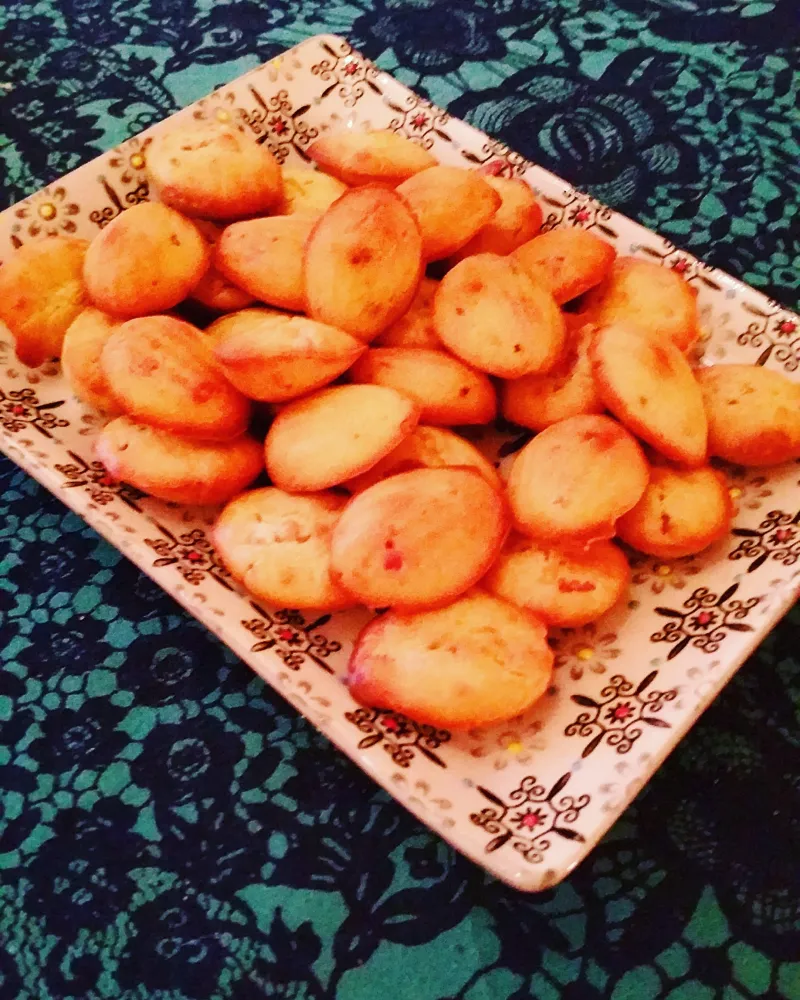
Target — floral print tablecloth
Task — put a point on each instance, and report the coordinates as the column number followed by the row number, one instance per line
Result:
column 169, row 828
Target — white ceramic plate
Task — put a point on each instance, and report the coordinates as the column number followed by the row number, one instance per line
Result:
column 527, row 800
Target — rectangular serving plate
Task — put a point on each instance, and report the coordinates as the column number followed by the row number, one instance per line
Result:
column 528, row 799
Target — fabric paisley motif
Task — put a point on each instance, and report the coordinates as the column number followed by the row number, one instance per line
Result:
column 611, row 141
column 430, row 36
column 764, row 26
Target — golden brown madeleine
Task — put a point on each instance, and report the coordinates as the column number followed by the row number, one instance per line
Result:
column 682, row 512
column 41, row 293
column 335, row 434
column 213, row 171
column 490, row 314
column 428, row 448
column 265, row 257
column 446, row 390
column 81, row 352
column 575, row 479
column 272, row 357
column 415, row 328
column 564, row 585
column 567, row 390
column 450, row 205
column 365, row 157
column 224, row 326
column 566, row 261
column 753, row 414
column 650, row 296
column 650, row 388
column 147, row 260
column 419, row 538
column 475, row 662
column 214, row 290
column 161, row 373
column 517, row 220
column 308, row 191
column 176, row 468
column 363, row 262
column 279, row 546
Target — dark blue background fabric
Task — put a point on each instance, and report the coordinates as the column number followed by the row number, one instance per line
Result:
column 169, row 827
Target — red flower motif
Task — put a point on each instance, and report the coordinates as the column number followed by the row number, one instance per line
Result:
column 621, row 712
column 703, row 619
column 582, row 215
column 419, row 121
column 530, row 819
column 350, row 68
column 193, row 556
column 18, row 410
column 681, row 265
column 391, row 724
column 278, row 125
column 787, row 326
column 783, row 535
column 285, row 634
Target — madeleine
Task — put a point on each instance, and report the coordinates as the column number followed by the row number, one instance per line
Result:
column 419, row 538
column 265, row 258
column 272, row 357
column 41, row 293
column 567, row 390
column 358, row 158
column 568, row 262
column 654, row 298
column 681, row 512
column 213, row 290
column 563, row 585
column 335, row 434
column 753, row 414
column 575, row 479
column 649, row 387
column 213, row 171
column 363, row 262
column 81, row 355
column 176, row 468
column 428, row 448
column 450, row 205
column 161, row 373
column 308, row 191
column 278, row 545
column 415, row 328
column 517, row 220
column 445, row 389
column 147, row 260
column 475, row 662
column 490, row 314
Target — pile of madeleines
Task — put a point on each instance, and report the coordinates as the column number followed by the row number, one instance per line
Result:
column 315, row 315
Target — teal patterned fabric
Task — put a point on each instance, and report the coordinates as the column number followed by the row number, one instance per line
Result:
column 169, row 828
